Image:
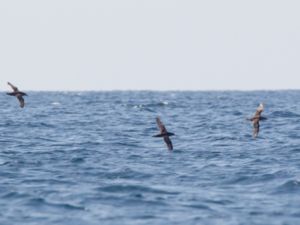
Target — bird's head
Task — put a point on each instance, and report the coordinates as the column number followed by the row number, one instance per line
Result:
column 261, row 107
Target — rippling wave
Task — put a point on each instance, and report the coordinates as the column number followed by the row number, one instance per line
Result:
column 89, row 158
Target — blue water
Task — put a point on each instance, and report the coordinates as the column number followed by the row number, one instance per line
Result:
column 90, row 158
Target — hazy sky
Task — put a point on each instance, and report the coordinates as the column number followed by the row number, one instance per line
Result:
column 153, row 44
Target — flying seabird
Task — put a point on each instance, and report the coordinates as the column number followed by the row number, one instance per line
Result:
column 256, row 118
column 17, row 94
column 164, row 133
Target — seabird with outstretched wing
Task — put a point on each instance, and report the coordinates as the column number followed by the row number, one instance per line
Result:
column 18, row 94
column 256, row 118
column 164, row 133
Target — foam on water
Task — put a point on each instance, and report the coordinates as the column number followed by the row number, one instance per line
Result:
column 89, row 158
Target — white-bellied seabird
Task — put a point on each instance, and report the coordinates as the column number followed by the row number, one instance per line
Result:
column 256, row 118
column 164, row 133
column 17, row 94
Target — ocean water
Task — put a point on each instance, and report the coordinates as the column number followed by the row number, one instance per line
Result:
column 89, row 158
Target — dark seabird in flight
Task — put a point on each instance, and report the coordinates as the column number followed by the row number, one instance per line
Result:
column 256, row 118
column 17, row 94
column 164, row 133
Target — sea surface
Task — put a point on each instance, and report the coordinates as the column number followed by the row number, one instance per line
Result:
column 89, row 158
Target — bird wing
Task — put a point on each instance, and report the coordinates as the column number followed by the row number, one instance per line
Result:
column 259, row 110
column 168, row 142
column 21, row 100
column 255, row 127
column 13, row 87
column 161, row 126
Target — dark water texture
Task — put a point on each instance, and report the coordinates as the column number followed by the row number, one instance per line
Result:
column 89, row 158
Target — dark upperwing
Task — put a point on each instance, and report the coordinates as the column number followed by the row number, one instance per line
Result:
column 15, row 89
column 259, row 110
column 161, row 126
column 257, row 114
column 168, row 142
column 255, row 127
column 21, row 100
